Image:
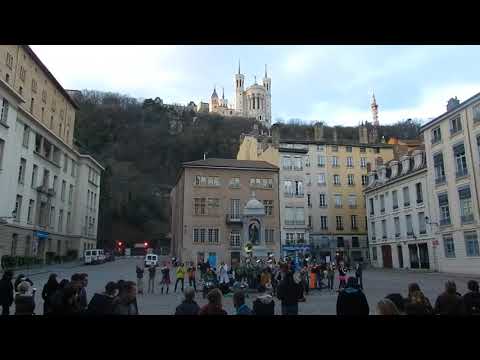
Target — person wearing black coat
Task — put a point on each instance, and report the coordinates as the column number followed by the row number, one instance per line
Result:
column 188, row 306
column 102, row 304
column 264, row 305
column 289, row 292
column 351, row 300
column 472, row 299
column 6, row 292
column 450, row 303
column 48, row 290
column 359, row 275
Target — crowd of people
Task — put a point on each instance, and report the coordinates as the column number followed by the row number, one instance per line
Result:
column 288, row 281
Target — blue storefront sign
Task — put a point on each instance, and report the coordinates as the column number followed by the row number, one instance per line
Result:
column 41, row 234
column 296, row 248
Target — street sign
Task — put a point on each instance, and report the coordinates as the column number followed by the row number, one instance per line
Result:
column 41, row 234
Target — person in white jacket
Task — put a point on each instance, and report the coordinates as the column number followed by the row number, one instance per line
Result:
column 223, row 274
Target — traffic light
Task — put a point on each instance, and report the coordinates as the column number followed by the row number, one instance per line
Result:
column 119, row 243
column 145, row 244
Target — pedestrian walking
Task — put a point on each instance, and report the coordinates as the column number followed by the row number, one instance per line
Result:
column 152, row 270
column 165, row 282
column 83, row 291
column 449, row 302
column 47, row 293
column 472, row 299
column 180, row 274
column 214, row 306
column 126, row 302
column 330, row 276
column 191, row 274
column 359, row 275
column 289, row 292
column 140, row 272
column 6, row 292
column 387, row 307
column 342, row 276
column 351, row 300
column 223, row 274
column 239, row 303
column 188, row 305
column 103, row 303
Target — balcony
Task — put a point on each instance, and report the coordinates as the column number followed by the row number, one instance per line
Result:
column 45, row 190
column 406, row 204
column 461, row 173
column 440, row 180
column 423, row 231
column 409, row 233
column 339, row 227
column 384, row 236
column 445, row 222
column 382, row 211
column 466, row 219
column 352, row 206
column 397, row 235
column 233, row 219
column 338, row 206
column 374, row 238
column 419, row 201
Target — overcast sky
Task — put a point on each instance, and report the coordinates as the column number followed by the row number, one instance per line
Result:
column 328, row 83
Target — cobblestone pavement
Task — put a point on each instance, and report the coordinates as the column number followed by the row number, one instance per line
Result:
column 377, row 284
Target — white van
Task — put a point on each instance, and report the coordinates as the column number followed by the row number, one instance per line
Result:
column 94, row 256
column 151, row 260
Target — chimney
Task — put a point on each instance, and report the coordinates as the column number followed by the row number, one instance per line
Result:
column 335, row 135
column 318, row 131
column 362, row 134
column 453, row 103
column 276, row 135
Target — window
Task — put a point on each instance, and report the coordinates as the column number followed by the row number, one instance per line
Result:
column 334, row 161
column 32, row 103
column 64, row 185
column 26, row 136
column 300, row 238
column 439, row 169
column 51, row 221
column 234, row 183
column 323, row 200
column 396, row 221
column 348, row 149
column 287, row 163
column 374, row 236
column 449, row 246
column 299, row 188
column 34, row 86
column 408, row 221
column 268, row 204
column 68, row 223
column 321, row 161
column 298, row 163
column 382, row 203
column 73, row 168
column 352, row 201
column 418, row 187
column 320, row 148
column 31, row 208
column 363, row 162
column 22, row 73
column 321, row 179
column 2, row 146
column 339, row 222
column 351, row 181
column 422, row 226
column 466, row 211
column 212, row 203
column 65, row 163
column 213, row 236
column 384, row 229
column 18, row 208
column 288, row 188
column 299, row 216
column 309, row 221
column 21, row 171
column 199, row 206
column 353, row 219
column 364, row 180
column 323, row 223
column 471, row 243
column 336, row 179
column 70, row 194
column 374, row 253
column 338, row 200
column 406, row 197
column 234, row 208
column 394, row 200
column 444, row 209
column 349, row 162
column 362, row 149
column 460, row 160
column 372, row 206
column 309, row 200
column 455, row 125
column 60, row 221
column 9, row 61
column 44, row 96
column 269, row 236
column 196, row 236
column 335, row 148
column 261, row 183
column 309, row 179
column 289, row 237
column 213, row 181
column 436, row 135
column 478, row 146
column 234, row 238
column 340, row 242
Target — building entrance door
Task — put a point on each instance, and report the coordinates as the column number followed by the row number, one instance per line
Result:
column 414, row 260
column 424, row 260
column 234, row 259
column 387, row 256
column 400, row 256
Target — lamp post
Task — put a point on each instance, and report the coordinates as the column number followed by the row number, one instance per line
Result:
column 434, row 243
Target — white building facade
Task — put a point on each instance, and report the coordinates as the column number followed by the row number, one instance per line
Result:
column 398, row 206
column 452, row 145
column 49, row 192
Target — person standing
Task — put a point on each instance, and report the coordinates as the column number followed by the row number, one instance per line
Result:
column 472, row 299
column 83, row 291
column 152, row 270
column 48, row 290
column 24, row 300
column 102, row 304
column 191, row 272
column 342, row 276
column 165, row 277
column 330, row 276
column 214, row 306
column 180, row 273
column 125, row 303
column 239, row 303
column 387, row 307
column 223, row 274
column 140, row 272
column 359, row 275
column 450, row 303
column 6, row 292
column 289, row 292
column 188, row 306
column 264, row 305
column 417, row 304
column 351, row 300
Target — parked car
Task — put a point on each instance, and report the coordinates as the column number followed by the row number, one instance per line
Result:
column 94, row 256
column 151, row 260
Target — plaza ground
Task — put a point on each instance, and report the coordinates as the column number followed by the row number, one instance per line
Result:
column 377, row 284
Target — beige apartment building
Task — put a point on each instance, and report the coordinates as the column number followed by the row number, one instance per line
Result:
column 218, row 206
column 452, row 146
column 49, row 192
column 322, row 207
